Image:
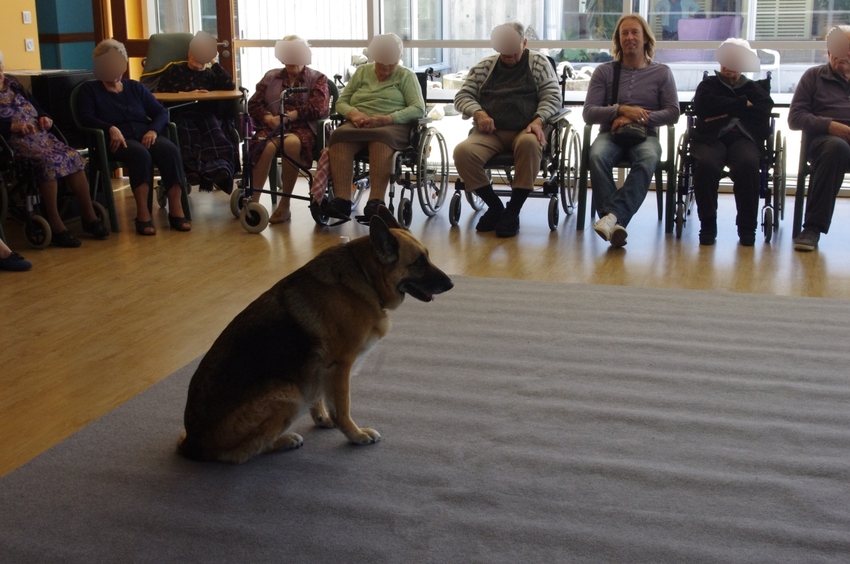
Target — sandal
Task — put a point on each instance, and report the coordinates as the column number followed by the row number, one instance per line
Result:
column 145, row 228
column 179, row 223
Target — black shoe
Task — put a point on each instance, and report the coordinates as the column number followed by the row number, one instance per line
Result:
column 807, row 240
column 508, row 225
column 337, row 208
column 707, row 237
column 65, row 239
column 489, row 220
column 223, row 181
column 371, row 208
column 747, row 238
column 95, row 228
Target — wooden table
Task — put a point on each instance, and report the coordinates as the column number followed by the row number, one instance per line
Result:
column 182, row 97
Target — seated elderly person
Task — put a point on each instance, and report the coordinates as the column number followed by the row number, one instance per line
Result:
column 733, row 123
column 646, row 99
column 133, row 120
column 300, row 113
column 380, row 102
column 209, row 157
column 26, row 128
column 821, row 108
column 510, row 97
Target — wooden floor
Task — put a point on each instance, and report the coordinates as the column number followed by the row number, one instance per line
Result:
column 86, row 329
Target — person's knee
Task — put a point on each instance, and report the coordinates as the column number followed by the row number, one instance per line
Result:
column 832, row 151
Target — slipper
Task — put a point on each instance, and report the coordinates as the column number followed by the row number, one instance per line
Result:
column 143, row 226
column 179, row 223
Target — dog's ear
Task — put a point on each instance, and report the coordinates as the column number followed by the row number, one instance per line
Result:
column 383, row 241
column 388, row 217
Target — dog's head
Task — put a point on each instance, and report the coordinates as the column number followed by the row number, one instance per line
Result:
column 407, row 268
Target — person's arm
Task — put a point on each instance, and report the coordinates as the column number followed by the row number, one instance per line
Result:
column 221, row 79
column 257, row 102
column 760, row 103
column 412, row 97
column 155, row 111
column 668, row 100
column 709, row 104
column 87, row 107
column 800, row 115
column 466, row 99
column 168, row 81
column 343, row 104
column 548, row 92
column 595, row 108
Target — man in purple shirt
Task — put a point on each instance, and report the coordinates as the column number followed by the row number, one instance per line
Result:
column 647, row 96
column 821, row 108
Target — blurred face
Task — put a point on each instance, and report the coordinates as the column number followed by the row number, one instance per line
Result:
column 384, row 71
column 729, row 76
column 840, row 62
column 632, row 39
column 514, row 58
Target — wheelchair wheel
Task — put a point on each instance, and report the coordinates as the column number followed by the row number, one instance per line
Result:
column 474, row 201
column 254, row 217
column 454, row 209
column 102, row 214
column 316, row 212
column 432, row 172
column 779, row 178
column 569, row 169
column 680, row 219
column 405, row 212
column 236, row 202
column 553, row 214
column 37, row 232
column 767, row 224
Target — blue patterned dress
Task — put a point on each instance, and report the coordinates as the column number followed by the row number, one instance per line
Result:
column 53, row 158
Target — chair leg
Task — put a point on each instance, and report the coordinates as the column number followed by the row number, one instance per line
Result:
column 273, row 176
column 799, row 204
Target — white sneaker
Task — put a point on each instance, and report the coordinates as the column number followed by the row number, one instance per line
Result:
column 605, row 226
column 618, row 236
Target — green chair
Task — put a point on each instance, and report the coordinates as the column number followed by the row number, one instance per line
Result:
column 101, row 165
column 667, row 165
column 164, row 50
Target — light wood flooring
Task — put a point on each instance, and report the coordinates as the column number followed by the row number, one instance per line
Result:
column 87, row 329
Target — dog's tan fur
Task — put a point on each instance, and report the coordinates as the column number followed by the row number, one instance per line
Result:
column 294, row 347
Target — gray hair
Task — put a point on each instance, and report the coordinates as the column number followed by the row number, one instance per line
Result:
column 520, row 29
column 296, row 38
column 108, row 45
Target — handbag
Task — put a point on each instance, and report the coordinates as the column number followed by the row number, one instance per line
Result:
column 630, row 134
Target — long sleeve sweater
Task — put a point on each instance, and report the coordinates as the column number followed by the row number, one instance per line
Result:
column 400, row 96
column 549, row 95
column 715, row 98
column 652, row 88
column 134, row 111
column 821, row 97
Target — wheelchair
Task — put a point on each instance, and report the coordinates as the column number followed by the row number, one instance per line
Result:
column 423, row 168
column 771, row 164
column 559, row 168
column 20, row 198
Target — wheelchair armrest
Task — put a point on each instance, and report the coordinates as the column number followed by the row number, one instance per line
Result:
column 423, row 121
column 561, row 115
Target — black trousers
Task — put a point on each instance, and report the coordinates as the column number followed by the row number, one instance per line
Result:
column 742, row 157
column 830, row 158
column 162, row 153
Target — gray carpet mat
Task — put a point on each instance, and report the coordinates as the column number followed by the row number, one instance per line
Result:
column 521, row 422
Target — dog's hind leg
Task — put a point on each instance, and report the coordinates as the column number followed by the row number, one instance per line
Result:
column 320, row 415
column 262, row 435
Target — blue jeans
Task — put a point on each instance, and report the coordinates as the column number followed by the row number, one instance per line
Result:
column 604, row 154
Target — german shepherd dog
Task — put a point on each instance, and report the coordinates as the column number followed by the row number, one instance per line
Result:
column 295, row 346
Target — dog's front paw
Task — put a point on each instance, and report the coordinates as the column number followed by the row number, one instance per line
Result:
column 365, row 436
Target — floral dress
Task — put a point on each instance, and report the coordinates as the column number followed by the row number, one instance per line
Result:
column 53, row 158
